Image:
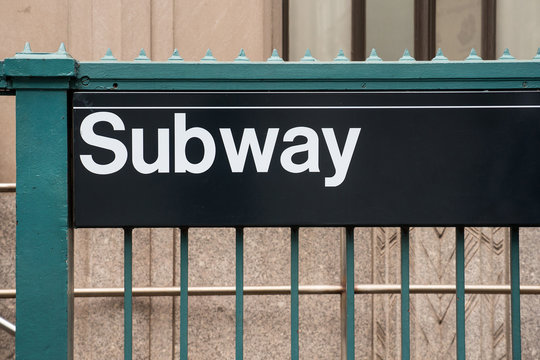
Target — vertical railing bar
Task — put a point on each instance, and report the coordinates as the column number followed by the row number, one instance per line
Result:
column 183, row 293
column 514, row 297
column 343, row 296
column 128, row 286
column 460, row 292
column 239, row 293
column 294, row 295
column 349, row 239
column 405, row 304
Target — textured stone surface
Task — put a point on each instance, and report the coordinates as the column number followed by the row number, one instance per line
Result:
column 7, row 136
column 7, row 270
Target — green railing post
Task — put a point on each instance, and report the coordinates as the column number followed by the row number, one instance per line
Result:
column 460, row 292
column 128, row 293
column 294, row 294
column 184, row 259
column 239, row 293
column 405, row 299
column 349, row 290
column 44, row 235
column 515, row 291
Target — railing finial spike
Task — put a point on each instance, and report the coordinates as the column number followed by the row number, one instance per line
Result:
column 208, row 56
column 506, row 55
column 537, row 57
column 473, row 56
column 274, row 57
column 439, row 56
column 341, row 56
column 142, row 56
column 373, row 56
column 108, row 56
column 27, row 48
column 175, row 56
column 242, row 56
column 406, row 56
column 308, row 56
column 61, row 49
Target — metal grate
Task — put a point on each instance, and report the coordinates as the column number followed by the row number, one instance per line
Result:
column 347, row 292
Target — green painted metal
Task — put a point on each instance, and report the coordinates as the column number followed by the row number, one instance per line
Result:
column 208, row 56
column 405, row 307
column 142, row 56
column 294, row 295
column 3, row 81
column 274, row 57
column 42, row 65
column 473, row 56
column 349, row 289
column 406, row 56
column 108, row 56
column 341, row 56
column 44, row 248
column 241, row 56
column 175, row 56
column 42, row 82
column 128, row 286
column 184, row 293
column 514, row 296
column 460, row 292
column 506, row 56
column 44, row 238
column 439, row 56
column 373, row 57
column 338, row 75
column 308, row 57
column 239, row 293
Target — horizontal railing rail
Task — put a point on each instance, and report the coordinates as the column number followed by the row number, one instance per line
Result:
column 286, row 290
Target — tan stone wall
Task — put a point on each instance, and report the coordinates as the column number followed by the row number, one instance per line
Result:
column 88, row 28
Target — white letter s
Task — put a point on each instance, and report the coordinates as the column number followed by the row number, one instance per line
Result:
column 114, row 145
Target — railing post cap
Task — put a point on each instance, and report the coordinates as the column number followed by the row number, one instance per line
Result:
column 29, row 64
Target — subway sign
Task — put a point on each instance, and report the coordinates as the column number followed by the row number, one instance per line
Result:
column 167, row 159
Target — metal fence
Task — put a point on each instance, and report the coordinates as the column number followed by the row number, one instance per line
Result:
column 43, row 84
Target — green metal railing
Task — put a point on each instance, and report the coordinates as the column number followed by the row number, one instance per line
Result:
column 43, row 83
column 349, row 291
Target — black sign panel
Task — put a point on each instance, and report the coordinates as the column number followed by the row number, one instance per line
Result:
column 307, row 159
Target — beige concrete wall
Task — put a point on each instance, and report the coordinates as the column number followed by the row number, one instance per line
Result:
column 322, row 26
column 390, row 28
column 88, row 28
column 518, row 27
column 458, row 27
